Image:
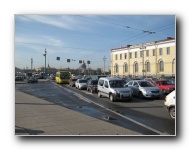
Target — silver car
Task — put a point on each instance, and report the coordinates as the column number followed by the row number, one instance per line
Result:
column 142, row 88
column 81, row 84
column 114, row 89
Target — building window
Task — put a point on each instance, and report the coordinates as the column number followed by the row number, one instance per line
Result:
column 130, row 55
column 136, row 67
column 147, row 53
column 160, row 51
column 125, row 67
column 153, row 52
column 135, row 54
column 141, row 53
column 168, row 51
column 120, row 56
column 125, row 55
column 147, row 66
column 116, row 68
column 161, row 65
column 116, row 57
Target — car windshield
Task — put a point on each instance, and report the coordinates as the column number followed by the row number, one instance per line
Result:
column 166, row 83
column 64, row 76
column 82, row 81
column 116, row 83
column 145, row 84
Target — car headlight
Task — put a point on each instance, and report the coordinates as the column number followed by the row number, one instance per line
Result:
column 145, row 91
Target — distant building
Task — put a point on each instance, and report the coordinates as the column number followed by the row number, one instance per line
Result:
column 156, row 58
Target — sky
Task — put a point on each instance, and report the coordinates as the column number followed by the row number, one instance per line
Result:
column 83, row 37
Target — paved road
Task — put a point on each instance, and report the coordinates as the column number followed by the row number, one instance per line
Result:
column 147, row 117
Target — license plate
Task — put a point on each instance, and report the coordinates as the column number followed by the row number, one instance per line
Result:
column 126, row 95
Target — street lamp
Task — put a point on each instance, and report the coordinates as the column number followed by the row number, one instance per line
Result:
column 104, row 59
column 143, row 48
column 45, row 60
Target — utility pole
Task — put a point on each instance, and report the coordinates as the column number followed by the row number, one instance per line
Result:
column 104, row 59
column 143, row 48
column 31, row 63
column 45, row 61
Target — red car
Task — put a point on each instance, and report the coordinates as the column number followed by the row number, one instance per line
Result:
column 165, row 86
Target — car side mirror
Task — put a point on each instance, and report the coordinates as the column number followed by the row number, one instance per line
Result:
column 125, row 85
column 106, row 86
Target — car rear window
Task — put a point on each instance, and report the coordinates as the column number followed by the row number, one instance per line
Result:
column 94, row 82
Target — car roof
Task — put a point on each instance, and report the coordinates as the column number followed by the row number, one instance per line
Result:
column 110, row 78
column 138, row 81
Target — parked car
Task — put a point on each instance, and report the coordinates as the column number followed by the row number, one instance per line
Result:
column 37, row 76
column 19, row 78
column 153, row 81
column 144, row 89
column 81, row 84
column 32, row 80
column 72, row 82
column 170, row 102
column 92, row 85
column 52, row 77
column 165, row 86
column 114, row 89
column 126, row 80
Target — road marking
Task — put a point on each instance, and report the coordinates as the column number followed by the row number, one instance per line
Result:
column 88, row 93
column 108, row 109
column 83, row 98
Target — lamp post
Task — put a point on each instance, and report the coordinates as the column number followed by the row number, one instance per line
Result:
column 45, row 60
column 143, row 48
column 156, row 64
column 104, row 59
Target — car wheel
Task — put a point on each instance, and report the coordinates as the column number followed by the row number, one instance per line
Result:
column 141, row 95
column 112, row 97
column 99, row 94
column 172, row 112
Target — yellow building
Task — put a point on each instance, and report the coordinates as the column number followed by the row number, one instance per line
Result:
column 149, row 59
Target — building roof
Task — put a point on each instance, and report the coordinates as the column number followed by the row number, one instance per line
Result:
column 169, row 39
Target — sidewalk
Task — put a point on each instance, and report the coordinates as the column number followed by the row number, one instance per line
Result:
column 35, row 116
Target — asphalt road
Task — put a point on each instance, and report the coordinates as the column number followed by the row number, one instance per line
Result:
column 147, row 116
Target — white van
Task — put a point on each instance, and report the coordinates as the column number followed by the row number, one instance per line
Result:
column 114, row 89
column 170, row 102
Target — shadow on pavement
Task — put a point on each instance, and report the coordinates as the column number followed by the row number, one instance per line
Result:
column 24, row 131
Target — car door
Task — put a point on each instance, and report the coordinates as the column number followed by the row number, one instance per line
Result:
column 100, row 86
column 106, row 89
column 135, row 88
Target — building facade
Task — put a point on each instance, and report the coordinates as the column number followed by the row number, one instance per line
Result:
column 156, row 58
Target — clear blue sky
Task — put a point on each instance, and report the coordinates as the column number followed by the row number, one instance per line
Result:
column 83, row 37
